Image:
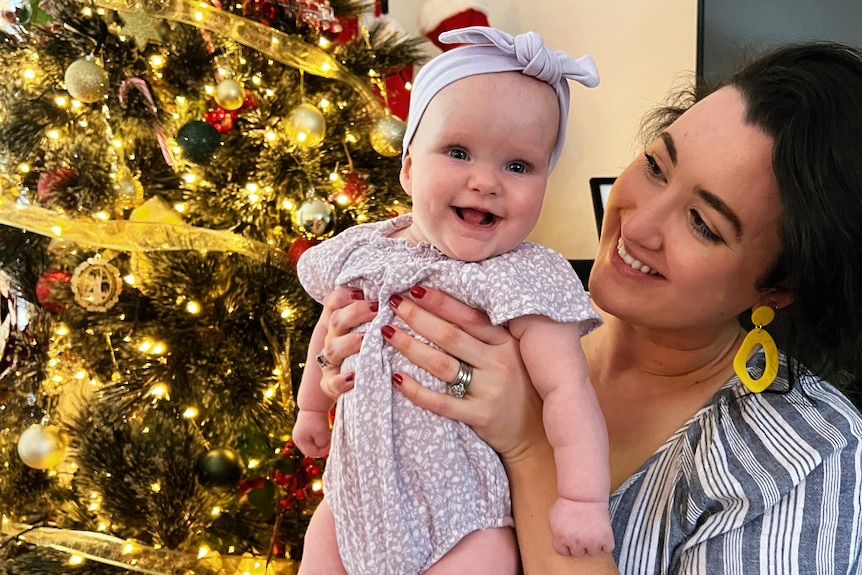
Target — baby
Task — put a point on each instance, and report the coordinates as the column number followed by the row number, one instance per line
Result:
column 408, row 491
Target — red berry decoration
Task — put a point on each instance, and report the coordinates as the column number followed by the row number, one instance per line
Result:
column 50, row 289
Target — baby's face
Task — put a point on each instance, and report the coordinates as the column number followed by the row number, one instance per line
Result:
column 478, row 165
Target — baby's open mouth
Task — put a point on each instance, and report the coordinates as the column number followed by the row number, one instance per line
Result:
column 476, row 217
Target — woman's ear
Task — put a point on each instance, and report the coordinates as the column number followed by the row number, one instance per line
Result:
column 406, row 174
column 777, row 297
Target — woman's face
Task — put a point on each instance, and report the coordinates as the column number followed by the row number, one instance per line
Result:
column 692, row 225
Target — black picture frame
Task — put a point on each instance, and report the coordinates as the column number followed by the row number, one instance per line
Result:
column 600, row 188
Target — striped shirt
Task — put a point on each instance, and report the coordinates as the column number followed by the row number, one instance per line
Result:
column 767, row 483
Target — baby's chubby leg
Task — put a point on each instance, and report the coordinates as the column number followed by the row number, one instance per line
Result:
column 320, row 552
column 484, row 552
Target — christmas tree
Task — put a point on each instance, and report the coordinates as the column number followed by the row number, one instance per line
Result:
column 163, row 164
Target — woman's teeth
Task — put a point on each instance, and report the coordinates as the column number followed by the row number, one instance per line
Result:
column 633, row 263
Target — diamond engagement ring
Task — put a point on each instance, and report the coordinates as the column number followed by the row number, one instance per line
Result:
column 458, row 386
column 323, row 362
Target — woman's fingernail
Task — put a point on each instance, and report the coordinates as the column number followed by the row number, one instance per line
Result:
column 349, row 376
column 387, row 331
column 357, row 294
column 373, row 305
column 397, row 379
column 395, row 301
column 418, row 292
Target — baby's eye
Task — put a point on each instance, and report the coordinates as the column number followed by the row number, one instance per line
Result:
column 517, row 167
column 458, row 154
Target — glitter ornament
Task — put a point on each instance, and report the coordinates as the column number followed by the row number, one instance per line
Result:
column 86, row 81
column 386, row 136
column 219, row 468
column 199, row 141
column 314, row 219
column 230, row 94
column 42, row 446
column 305, row 126
column 54, row 182
column 129, row 191
column 50, row 288
column 14, row 15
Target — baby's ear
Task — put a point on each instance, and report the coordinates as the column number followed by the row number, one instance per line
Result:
column 406, row 174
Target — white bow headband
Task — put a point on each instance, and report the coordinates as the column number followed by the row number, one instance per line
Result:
column 489, row 50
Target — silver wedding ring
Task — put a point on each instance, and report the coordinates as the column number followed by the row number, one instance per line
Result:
column 458, row 386
column 323, row 362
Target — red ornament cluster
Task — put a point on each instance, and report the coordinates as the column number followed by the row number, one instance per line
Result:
column 297, row 486
column 224, row 120
column 304, row 16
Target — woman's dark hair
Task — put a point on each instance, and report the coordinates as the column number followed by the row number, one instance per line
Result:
column 808, row 99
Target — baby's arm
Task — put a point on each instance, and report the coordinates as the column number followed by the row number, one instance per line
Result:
column 311, row 430
column 576, row 430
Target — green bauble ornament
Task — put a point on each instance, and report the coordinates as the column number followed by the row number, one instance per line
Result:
column 199, row 141
column 42, row 446
column 86, row 81
column 219, row 468
column 386, row 136
column 230, row 94
column 314, row 219
column 305, row 126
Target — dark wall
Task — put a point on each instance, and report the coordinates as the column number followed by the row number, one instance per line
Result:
column 730, row 31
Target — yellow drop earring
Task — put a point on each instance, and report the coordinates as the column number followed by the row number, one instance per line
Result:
column 761, row 316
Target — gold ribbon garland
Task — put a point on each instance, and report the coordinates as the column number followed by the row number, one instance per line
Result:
column 136, row 236
column 275, row 44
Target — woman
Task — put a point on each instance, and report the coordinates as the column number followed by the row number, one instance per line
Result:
column 749, row 197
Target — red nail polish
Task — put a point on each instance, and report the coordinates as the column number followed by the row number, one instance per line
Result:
column 373, row 306
column 357, row 294
column 418, row 292
column 397, row 379
column 387, row 331
column 350, row 376
column 395, row 301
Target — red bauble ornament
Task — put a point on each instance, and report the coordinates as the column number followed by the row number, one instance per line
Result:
column 355, row 186
column 55, row 181
column 49, row 286
column 298, row 247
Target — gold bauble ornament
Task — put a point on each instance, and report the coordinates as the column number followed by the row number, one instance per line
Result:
column 86, row 81
column 230, row 94
column 42, row 446
column 305, row 126
column 314, row 219
column 386, row 136
column 130, row 192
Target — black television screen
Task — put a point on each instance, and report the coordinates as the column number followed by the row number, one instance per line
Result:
column 732, row 31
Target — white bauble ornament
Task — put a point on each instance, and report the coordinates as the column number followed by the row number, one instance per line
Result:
column 305, row 126
column 42, row 446
column 387, row 135
column 230, row 94
column 86, row 81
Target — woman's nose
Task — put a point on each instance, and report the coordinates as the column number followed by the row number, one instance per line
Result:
column 645, row 221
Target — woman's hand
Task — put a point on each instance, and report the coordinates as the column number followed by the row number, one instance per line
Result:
column 346, row 309
column 501, row 404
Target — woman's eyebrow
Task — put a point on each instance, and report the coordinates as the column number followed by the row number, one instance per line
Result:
column 671, row 147
column 722, row 208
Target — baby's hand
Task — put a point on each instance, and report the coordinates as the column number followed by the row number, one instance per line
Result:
column 311, row 433
column 581, row 528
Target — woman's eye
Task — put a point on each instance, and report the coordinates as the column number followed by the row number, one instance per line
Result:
column 458, row 154
column 700, row 227
column 652, row 166
column 517, row 167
